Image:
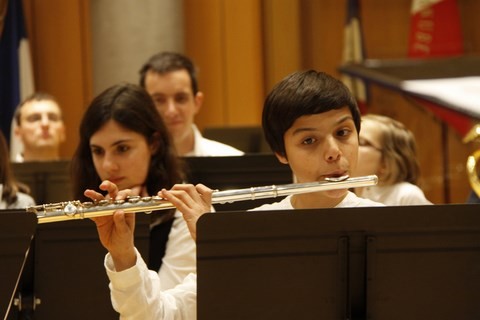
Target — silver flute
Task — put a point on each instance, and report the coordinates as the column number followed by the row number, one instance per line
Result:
column 75, row 209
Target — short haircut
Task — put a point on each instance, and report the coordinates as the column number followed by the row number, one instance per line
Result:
column 399, row 150
column 165, row 62
column 36, row 96
column 303, row 93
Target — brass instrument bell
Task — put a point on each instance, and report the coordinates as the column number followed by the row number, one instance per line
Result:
column 472, row 160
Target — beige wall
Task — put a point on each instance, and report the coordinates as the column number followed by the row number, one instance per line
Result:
column 126, row 33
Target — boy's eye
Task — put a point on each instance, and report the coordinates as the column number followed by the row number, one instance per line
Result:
column 308, row 141
column 343, row 132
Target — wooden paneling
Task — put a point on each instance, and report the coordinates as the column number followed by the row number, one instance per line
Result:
column 469, row 10
column 322, row 34
column 304, row 34
column 204, row 41
column 386, row 28
column 243, row 47
column 60, row 42
column 243, row 53
column 224, row 38
column 283, row 39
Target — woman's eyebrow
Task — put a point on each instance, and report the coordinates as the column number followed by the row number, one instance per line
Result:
column 113, row 144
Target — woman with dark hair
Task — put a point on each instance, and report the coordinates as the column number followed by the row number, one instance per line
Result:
column 124, row 140
column 13, row 194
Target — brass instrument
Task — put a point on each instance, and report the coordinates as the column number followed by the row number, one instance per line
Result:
column 79, row 210
column 472, row 160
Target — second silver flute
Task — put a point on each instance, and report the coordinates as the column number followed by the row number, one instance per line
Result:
column 79, row 210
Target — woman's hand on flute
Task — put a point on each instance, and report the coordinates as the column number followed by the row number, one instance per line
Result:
column 116, row 232
column 192, row 201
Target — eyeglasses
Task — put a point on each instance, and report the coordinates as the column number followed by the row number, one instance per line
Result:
column 365, row 143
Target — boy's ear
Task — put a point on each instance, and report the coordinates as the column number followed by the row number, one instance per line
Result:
column 198, row 101
column 283, row 159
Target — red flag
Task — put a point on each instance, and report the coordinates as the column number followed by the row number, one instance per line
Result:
column 354, row 52
column 435, row 31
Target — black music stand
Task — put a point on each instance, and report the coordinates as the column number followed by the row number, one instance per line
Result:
column 16, row 231
column 226, row 173
column 70, row 279
column 49, row 181
column 417, row 262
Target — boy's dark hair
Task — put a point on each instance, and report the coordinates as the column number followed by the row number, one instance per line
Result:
column 165, row 62
column 303, row 93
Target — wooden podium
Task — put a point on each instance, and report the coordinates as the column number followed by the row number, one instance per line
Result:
column 413, row 76
column 446, row 88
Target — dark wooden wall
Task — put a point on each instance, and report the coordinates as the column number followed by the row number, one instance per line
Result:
column 301, row 34
column 59, row 36
column 242, row 48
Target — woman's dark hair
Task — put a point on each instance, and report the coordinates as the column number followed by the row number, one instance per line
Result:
column 10, row 184
column 131, row 107
column 299, row 94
